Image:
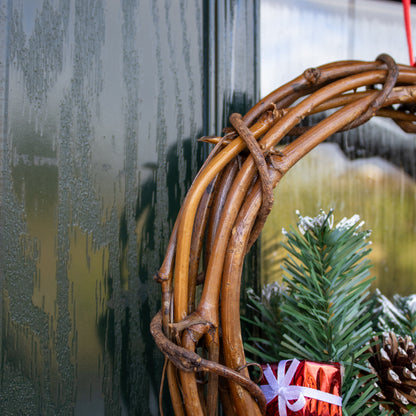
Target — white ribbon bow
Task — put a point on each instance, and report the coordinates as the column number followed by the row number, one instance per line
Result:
column 281, row 387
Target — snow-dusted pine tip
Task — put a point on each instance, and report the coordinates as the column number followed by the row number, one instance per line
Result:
column 387, row 309
column 349, row 222
column 306, row 223
column 271, row 289
column 411, row 303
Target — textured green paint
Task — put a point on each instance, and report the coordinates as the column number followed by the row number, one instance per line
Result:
column 101, row 104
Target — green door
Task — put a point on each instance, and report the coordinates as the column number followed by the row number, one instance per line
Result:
column 101, row 103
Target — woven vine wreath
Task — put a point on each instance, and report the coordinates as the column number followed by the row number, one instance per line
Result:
column 225, row 210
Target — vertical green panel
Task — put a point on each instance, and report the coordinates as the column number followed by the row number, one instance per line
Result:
column 233, row 51
column 232, row 48
column 101, row 104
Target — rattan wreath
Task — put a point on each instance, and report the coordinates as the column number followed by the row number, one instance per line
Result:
column 225, row 210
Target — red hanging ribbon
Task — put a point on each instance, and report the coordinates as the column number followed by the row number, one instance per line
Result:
column 406, row 10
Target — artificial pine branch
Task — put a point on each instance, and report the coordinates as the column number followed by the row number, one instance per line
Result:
column 327, row 287
column 393, row 354
column 398, row 315
column 324, row 313
column 268, row 318
column 407, row 305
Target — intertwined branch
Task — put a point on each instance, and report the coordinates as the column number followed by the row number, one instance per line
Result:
column 225, row 210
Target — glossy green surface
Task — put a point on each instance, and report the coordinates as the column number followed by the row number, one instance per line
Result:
column 101, row 105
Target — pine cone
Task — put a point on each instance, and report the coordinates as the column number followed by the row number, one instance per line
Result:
column 394, row 363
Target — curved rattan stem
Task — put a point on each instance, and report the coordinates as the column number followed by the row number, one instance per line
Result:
column 225, row 210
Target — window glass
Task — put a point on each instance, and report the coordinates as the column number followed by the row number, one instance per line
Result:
column 369, row 171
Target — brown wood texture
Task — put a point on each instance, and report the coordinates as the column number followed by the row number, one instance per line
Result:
column 225, row 210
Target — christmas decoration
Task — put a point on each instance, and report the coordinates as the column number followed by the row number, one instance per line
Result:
column 398, row 315
column 393, row 360
column 323, row 313
column 407, row 305
column 198, row 329
column 302, row 388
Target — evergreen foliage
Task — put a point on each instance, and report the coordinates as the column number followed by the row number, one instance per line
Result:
column 321, row 312
column 398, row 315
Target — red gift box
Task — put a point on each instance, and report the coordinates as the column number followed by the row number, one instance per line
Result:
column 302, row 388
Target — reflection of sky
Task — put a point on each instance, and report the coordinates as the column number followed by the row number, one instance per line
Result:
column 297, row 34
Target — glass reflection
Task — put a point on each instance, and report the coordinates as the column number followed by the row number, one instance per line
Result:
column 370, row 171
column 93, row 171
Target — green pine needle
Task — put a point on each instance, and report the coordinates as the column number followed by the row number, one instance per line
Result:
column 322, row 313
